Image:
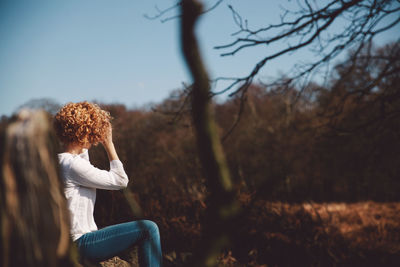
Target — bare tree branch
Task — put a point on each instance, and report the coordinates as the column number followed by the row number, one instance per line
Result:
column 183, row 101
column 162, row 13
column 309, row 28
column 378, row 71
column 223, row 208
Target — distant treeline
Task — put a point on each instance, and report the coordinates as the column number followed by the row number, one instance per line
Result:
column 335, row 143
column 339, row 142
column 278, row 151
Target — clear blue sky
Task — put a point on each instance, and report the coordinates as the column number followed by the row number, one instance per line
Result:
column 105, row 50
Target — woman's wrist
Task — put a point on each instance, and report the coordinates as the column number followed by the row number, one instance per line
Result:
column 111, row 152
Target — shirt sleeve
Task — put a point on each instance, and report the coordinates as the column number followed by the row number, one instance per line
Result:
column 82, row 172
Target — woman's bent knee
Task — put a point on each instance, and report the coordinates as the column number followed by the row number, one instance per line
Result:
column 149, row 226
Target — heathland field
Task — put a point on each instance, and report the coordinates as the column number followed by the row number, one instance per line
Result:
column 307, row 234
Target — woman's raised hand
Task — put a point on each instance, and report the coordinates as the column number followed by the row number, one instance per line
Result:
column 109, row 145
column 108, row 137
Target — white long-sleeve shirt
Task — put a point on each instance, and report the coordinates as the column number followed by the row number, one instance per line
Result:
column 81, row 179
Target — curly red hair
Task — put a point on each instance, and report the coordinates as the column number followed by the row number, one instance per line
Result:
column 81, row 123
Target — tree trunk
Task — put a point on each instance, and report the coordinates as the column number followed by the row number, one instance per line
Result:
column 34, row 216
column 222, row 205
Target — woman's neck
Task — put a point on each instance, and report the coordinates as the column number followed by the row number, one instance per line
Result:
column 74, row 149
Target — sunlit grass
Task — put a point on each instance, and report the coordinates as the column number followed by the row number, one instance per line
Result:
column 333, row 233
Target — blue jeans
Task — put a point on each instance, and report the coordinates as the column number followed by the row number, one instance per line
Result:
column 112, row 240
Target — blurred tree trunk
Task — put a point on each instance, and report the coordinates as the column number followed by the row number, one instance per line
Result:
column 34, row 217
column 222, row 205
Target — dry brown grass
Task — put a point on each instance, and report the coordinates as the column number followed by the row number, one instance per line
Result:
column 310, row 234
column 368, row 224
column 319, row 234
column 362, row 222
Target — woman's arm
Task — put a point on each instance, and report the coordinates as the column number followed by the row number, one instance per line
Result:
column 84, row 173
column 109, row 145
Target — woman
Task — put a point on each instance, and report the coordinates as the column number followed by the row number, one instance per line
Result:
column 79, row 126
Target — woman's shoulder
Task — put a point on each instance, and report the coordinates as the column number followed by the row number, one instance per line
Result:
column 66, row 159
column 69, row 162
column 69, row 157
column 73, row 166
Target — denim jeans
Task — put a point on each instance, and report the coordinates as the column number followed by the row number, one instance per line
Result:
column 112, row 240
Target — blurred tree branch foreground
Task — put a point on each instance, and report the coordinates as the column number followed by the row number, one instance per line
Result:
column 222, row 209
column 34, row 217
